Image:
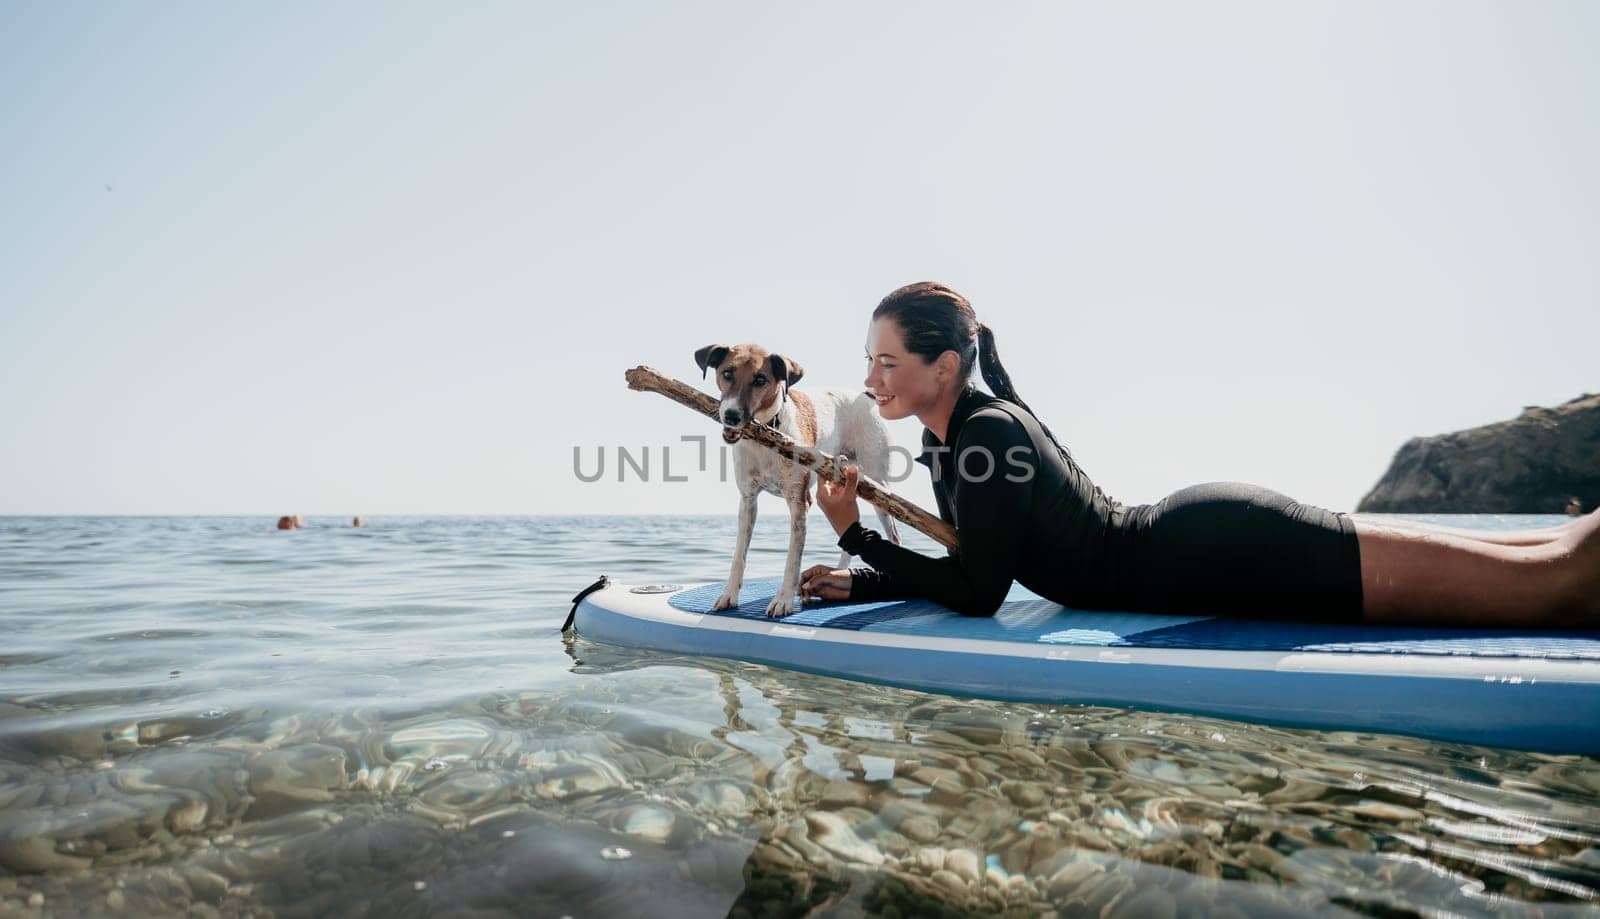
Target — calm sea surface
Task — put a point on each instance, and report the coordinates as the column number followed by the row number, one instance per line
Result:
column 206, row 716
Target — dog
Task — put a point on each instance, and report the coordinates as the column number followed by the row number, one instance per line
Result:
column 756, row 385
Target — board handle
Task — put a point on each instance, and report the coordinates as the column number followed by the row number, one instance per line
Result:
column 600, row 584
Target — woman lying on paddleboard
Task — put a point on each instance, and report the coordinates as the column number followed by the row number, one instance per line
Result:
column 1024, row 511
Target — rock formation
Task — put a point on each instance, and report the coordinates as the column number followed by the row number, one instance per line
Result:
column 1532, row 464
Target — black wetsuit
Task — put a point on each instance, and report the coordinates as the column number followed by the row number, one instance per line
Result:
column 1221, row 548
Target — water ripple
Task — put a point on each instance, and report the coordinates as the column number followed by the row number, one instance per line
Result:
column 204, row 714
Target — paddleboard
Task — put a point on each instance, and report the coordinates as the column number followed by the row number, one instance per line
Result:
column 1531, row 690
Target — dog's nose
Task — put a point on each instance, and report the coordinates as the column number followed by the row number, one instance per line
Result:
column 730, row 417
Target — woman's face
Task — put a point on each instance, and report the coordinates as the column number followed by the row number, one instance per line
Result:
column 903, row 383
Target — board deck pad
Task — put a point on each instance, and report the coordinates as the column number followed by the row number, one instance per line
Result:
column 1526, row 689
column 1026, row 617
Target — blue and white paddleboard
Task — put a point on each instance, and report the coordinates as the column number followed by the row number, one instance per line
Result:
column 1534, row 690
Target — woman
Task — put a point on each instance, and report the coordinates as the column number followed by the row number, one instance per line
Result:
column 1024, row 511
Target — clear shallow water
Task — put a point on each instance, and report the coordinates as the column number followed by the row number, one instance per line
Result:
column 207, row 716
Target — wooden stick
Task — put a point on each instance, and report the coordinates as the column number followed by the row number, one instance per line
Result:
column 647, row 379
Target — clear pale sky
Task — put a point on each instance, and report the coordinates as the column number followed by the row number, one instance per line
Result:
column 365, row 258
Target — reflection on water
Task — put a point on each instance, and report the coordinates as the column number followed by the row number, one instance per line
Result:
column 201, row 716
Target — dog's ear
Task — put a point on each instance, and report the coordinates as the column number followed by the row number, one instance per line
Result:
column 710, row 356
column 786, row 369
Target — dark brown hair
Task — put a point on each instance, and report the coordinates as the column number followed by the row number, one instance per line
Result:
column 934, row 319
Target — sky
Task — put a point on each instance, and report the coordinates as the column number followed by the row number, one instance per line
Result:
column 364, row 258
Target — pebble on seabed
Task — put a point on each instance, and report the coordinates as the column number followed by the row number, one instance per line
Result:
column 963, row 863
column 834, row 834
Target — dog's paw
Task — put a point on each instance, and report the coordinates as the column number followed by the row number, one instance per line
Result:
column 780, row 607
column 728, row 600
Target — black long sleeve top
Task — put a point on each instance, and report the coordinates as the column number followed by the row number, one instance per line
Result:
column 1022, row 510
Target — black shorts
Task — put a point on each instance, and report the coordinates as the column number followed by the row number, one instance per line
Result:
column 1230, row 549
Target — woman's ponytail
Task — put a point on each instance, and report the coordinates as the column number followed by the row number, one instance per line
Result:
column 994, row 374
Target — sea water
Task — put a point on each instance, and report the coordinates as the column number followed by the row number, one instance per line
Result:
column 207, row 716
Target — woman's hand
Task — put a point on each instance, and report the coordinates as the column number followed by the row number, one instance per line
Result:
column 824, row 582
column 838, row 502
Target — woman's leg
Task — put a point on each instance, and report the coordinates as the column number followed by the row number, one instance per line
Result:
column 1435, row 578
column 1537, row 537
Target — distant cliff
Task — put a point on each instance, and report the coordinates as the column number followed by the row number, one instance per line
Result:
column 1529, row 465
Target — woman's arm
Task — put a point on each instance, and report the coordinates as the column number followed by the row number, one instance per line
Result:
column 990, row 513
column 871, row 584
column 879, row 583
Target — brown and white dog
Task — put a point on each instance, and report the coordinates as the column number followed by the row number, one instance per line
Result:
column 755, row 385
